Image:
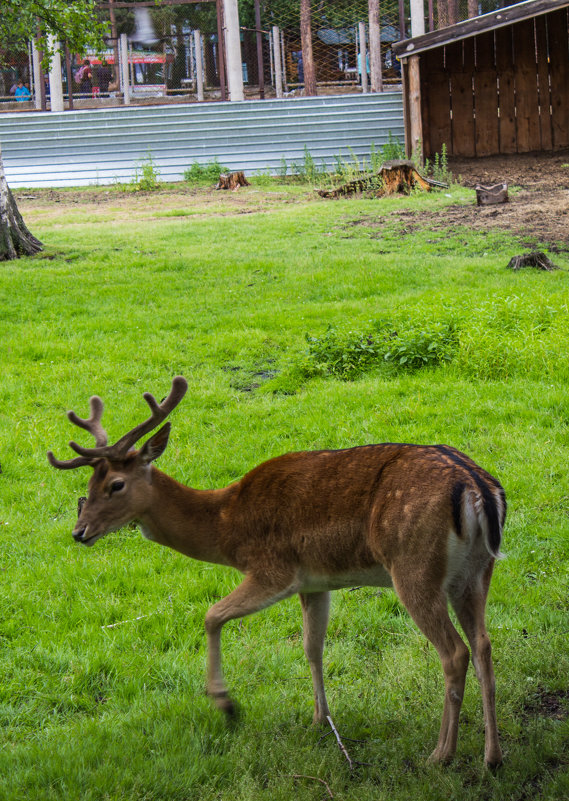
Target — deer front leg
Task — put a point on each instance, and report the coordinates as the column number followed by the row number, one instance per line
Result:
column 250, row 596
column 315, row 609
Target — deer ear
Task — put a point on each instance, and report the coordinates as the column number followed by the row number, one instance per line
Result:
column 155, row 446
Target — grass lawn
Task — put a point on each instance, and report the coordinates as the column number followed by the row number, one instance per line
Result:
column 269, row 301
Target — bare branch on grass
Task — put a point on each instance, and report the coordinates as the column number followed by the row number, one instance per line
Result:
column 316, row 779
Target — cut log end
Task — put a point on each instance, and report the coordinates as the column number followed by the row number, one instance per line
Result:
column 232, row 181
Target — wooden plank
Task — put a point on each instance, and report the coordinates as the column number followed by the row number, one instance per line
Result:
column 472, row 27
column 506, row 91
column 545, row 122
column 525, row 77
column 436, row 103
column 486, row 97
column 559, row 73
column 462, row 100
column 415, row 126
column 437, row 100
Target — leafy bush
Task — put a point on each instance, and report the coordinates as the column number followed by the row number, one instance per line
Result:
column 347, row 355
column 204, row 173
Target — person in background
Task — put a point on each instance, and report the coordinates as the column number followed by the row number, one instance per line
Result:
column 22, row 92
column 104, row 76
column 86, row 85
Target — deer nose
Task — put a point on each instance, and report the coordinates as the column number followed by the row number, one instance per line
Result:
column 78, row 533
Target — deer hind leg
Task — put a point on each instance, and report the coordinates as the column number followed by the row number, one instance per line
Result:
column 469, row 608
column 252, row 595
column 428, row 608
column 315, row 609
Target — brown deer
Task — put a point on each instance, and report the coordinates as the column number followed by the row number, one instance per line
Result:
column 426, row 520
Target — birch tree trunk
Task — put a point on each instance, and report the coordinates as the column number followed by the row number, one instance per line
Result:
column 306, row 44
column 15, row 239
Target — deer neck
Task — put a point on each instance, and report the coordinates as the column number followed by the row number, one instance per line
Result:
column 184, row 519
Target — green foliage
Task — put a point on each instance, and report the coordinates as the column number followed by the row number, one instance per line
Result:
column 146, row 175
column 204, row 173
column 439, row 168
column 345, row 169
column 77, row 24
column 347, row 355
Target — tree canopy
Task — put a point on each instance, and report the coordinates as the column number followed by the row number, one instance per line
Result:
column 73, row 21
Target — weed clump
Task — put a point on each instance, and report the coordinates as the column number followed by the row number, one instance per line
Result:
column 204, row 173
column 146, row 175
column 347, row 355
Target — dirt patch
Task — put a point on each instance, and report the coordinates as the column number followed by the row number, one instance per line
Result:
column 548, row 705
column 539, row 210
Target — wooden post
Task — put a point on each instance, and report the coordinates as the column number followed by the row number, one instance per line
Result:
column 38, row 78
column 259, row 37
column 199, row 65
column 306, row 44
column 375, row 47
column 115, row 41
column 69, row 75
column 124, row 74
column 417, row 18
column 233, row 50
column 221, row 49
column 55, row 83
column 362, row 57
column 277, row 61
column 402, row 31
column 415, row 119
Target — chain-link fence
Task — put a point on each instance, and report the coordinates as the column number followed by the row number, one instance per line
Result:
column 174, row 53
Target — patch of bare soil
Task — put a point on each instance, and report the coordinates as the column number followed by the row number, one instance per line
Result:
column 539, row 210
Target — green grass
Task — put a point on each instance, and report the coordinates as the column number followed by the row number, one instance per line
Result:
column 124, row 298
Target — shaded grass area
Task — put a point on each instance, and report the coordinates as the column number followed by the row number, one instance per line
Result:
column 102, row 650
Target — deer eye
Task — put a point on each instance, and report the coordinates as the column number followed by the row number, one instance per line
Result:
column 117, row 486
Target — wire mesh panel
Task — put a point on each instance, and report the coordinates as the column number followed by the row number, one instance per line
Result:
column 175, row 54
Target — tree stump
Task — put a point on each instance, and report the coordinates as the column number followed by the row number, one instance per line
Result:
column 393, row 176
column 534, row 259
column 15, row 239
column 232, row 180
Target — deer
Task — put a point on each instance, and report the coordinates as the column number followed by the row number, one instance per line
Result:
column 425, row 520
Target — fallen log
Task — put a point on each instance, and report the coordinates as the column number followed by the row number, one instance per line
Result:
column 392, row 177
column 232, row 180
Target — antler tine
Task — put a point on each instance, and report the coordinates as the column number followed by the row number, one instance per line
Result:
column 159, row 413
column 68, row 464
column 120, row 448
column 93, row 423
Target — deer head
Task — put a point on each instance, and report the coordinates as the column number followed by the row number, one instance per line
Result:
column 119, row 486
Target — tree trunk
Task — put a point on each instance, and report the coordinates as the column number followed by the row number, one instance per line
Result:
column 15, row 239
column 306, row 43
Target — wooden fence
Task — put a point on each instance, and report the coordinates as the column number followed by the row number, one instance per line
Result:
column 502, row 91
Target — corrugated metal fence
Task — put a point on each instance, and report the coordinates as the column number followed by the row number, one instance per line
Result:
column 105, row 145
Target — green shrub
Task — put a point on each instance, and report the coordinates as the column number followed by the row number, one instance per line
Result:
column 347, row 355
column 204, row 173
